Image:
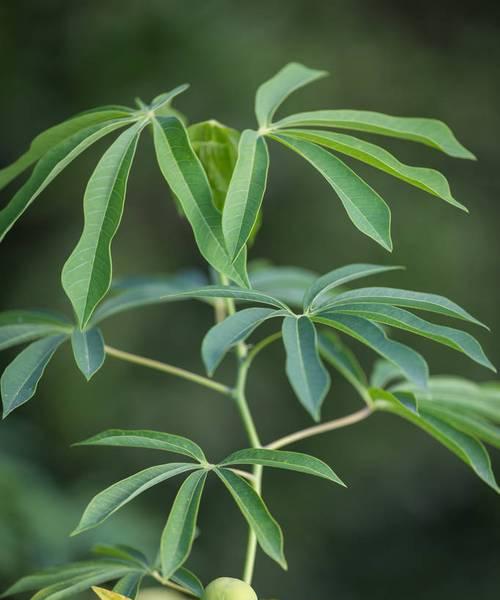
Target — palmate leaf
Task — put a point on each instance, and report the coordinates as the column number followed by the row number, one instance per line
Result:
column 86, row 276
column 272, row 93
column 88, row 350
column 50, row 165
column 466, row 447
column 339, row 277
column 306, row 373
column 385, row 373
column 45, row 141
column 179, row 533
column 143, row 438
column 373, row 336
column 251, row 505
column 116, row 496
column 166, row 98
column 123, row 553
column 406, row 298
column 402, row 319
column 188, row 181
column 429, row 180
column 283, row 459
column 245, row 192
column 234, row 329
column 366, row 209
column 430, row 132
column 20, row 326
column 20, row 379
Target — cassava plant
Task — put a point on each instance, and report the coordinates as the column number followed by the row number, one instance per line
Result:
column 217, row 177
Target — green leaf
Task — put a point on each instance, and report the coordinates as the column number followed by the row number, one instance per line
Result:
column 123, row 553
column 68, row 589
column 373, row 336
column 272, row 93
column 116, row 496
column 86, row 276
column 20, row 326
column 58, row 574
column 459, row 395
column 245, row 193
column 179, row 533
column 339, row 277
column 105, row 594
column 162, row 99
column 188, row 181
column 339, row 356
column 144, row 291
column 467, row 448
column 430, row 132
column 257, row 515
column 306, row 373
column 287, row 284
column 188, row 581
column 50, row 166
column 217, row 148
column 46, row 141
column 366, row 209
column 384, row 373
column 88, row 350
column 129, row 585
column 429, row 180
column 226, row 334
column 143, row 438
column 402, row 319
column 409, row 299
column 20, row 379
column 282, row 459
column 468, row 423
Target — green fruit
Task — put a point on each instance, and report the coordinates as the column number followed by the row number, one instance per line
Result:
column 227, row 588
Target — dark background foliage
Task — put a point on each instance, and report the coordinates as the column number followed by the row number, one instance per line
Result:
column 414, row 521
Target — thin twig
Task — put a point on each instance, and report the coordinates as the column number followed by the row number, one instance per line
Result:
column 166, row 368
column 245, row 474
column 360, row 415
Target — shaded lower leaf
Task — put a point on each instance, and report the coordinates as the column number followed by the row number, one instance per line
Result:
column 179, row 533
column 88, row 350
column 287, row 284
column 251, row 505
column 129, row 585
column 283, row 459
column 234, row 329
column 370, row 334
column 116, row 496
column 20, row 379
column 122, row 552
column 339, row 356
column 306, row 373
column 188, row 581
column 466, row 447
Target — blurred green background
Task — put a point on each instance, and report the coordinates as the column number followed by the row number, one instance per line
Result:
column 414, row 521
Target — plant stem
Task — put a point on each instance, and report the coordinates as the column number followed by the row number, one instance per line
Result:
column 360, row 415
column 170, row 369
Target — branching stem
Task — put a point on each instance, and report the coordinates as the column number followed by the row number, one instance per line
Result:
column 170, row 369
column 303, row 434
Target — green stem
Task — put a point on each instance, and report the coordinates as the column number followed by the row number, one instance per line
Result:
column 170, row 369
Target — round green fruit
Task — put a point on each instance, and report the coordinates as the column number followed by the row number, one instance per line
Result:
column 227, row 588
